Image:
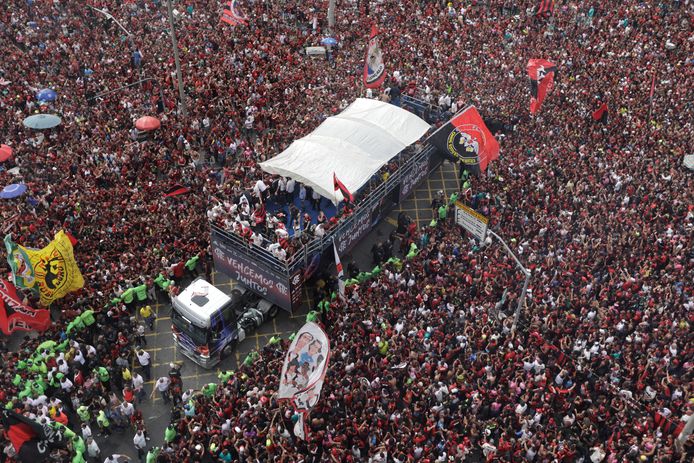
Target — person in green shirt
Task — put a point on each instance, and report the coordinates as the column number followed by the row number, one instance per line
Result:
column 141, row 292
column 78, row 458
column 192, row 263
column 87, row 317
column 169, row 434
column 453, row 198
column 83, row 413
column 103, row 423
column 78, row 444
column 128, row 296
column 152, row 455
column 224, row 376
column 209, row 389
column 104, row 377
column 383, row 347
column 443, row 212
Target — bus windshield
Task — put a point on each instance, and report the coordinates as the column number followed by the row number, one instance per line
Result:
column 196, row 334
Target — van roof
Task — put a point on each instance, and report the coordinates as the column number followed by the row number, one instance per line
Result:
column 199, row 301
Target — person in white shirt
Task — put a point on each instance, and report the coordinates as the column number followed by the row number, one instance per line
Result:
column 143, row 358
column 291, row 185
column 138, row 384
column 93, row 450
column 127, row 409
column 257, row 239
column 140, row 443
column 65, row 384
column 86, row 431
column 162, row 385
column 260, row 188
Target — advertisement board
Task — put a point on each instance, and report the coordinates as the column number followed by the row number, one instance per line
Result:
column 471, row 220
column 271, row 285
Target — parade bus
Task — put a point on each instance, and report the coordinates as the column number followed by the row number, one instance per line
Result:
column 207, row 323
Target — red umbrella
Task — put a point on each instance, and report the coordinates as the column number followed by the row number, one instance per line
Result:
column 147, row 123
column 5, row 153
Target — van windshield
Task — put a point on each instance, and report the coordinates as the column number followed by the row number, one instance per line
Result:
column 196, row 334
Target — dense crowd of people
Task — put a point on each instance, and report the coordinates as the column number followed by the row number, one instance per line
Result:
column 426, row 366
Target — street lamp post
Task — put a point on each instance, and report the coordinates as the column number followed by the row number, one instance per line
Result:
column 526, row 272
column 174, row 43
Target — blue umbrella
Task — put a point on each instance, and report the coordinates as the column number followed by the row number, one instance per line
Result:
column 47, row 94
column 329, row 41
column 42, row 121
column 13, row 190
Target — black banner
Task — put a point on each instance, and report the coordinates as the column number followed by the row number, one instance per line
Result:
column 418, row 172
column 271, row 285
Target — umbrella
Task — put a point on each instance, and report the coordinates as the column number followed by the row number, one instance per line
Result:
column 329, row 41
column 42, row 121
column 5, row 153
column 13, row 190
column 147, row 123
column 47, row 94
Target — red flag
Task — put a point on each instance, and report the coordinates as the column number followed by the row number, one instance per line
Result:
column 541, row 73
column 374, row 69
column 15, row 316
column 233, row 15
column 342, row 188
column 600, row 114
column 176, row 190
column 545, row 8
column 467, row 139
column 71, row 237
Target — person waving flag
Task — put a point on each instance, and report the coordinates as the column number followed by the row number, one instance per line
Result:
column 541, row 73
column 233, row 15
column 545, row 8
column 374, row 69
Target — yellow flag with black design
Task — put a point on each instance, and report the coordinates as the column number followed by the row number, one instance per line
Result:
column 55, row 269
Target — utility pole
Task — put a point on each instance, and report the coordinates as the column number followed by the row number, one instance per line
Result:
column 526, row 272
column 331, row 16
column 174, row 43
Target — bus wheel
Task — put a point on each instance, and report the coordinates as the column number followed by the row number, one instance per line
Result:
column 226, row 352
column 274, row 310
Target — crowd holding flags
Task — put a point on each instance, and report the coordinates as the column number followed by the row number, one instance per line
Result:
column 303, row 371
column 232, row 15
column 52, row 271
column 31, row 440
column 374, row 69
column 467, row 139
column 541, row 73
column 17, row 316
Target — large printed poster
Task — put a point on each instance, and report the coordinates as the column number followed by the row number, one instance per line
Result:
column 305, row 365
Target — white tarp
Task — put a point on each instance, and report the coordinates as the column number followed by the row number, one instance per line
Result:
column 354, row 145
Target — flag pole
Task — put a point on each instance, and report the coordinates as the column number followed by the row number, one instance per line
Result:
column 650, row 106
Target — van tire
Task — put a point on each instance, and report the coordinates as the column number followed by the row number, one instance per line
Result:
column 226, row 352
